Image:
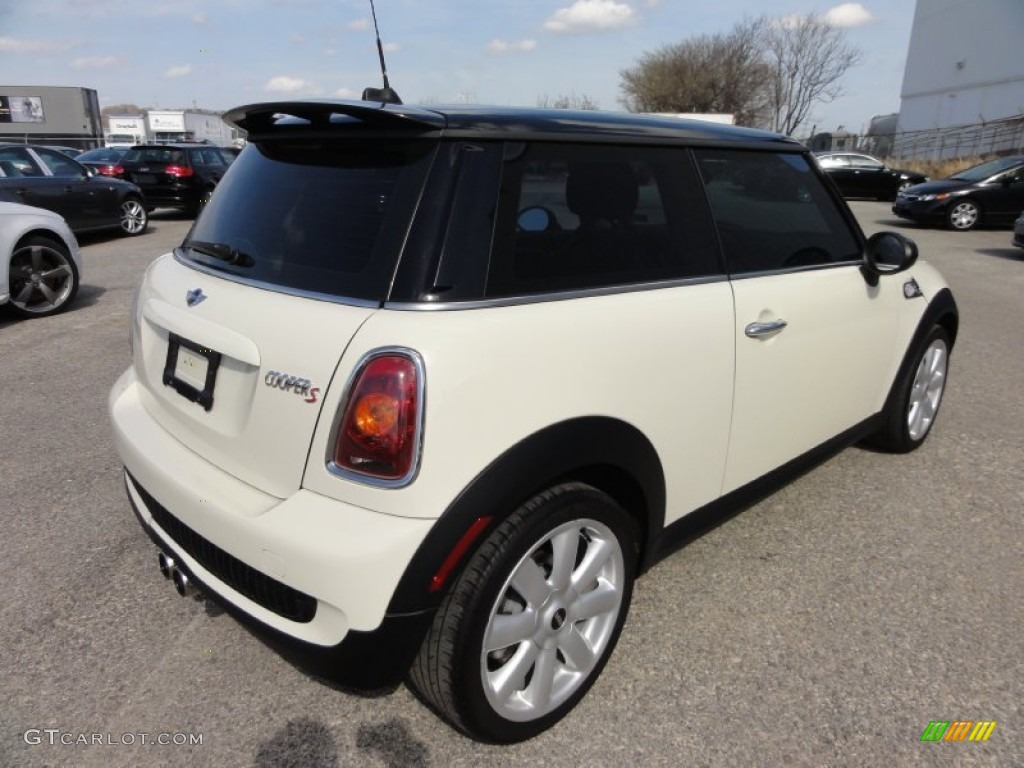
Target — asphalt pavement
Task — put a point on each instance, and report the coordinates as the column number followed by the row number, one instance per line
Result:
column 825, row 626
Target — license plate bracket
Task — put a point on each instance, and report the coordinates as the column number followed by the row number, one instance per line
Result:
column 183, row 370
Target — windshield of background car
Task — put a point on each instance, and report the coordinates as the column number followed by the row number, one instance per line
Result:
column 325, row 217
column 986, row 170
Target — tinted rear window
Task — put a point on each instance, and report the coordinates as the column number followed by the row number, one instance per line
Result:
column 324, row 217
column 155, row 155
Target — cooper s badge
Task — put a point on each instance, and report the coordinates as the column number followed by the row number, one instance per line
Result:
column 294, row 384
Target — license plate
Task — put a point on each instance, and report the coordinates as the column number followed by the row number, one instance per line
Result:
column 144, row 178
column 191, row 370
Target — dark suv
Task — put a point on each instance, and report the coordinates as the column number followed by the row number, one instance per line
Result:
column 448, row 380
column 176, row 175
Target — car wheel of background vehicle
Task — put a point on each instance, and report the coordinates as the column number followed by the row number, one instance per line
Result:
column 964, row 215
column 43, row 277
column 916, row 404
column 134, row 218
column 533, row 618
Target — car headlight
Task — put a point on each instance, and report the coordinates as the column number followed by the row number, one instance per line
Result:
column 939, row 196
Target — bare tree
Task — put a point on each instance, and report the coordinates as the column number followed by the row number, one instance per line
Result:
column 122, row 109
column 710, row 73
column 766, row 72
column 807, row 57
column 570, row 101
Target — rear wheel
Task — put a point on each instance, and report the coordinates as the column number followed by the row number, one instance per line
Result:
column 964, row 215
column 134, row 217
column 533, row 619
column 43, row 277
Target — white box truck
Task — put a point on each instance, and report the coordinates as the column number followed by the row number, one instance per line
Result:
column 125, row 130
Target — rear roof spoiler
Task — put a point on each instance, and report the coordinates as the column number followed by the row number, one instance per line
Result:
column 263, row 117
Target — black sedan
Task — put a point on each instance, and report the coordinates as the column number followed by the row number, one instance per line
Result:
column 88, row 202
column 859, row 175
column 177, row 175
column 106, row 161
column 989, row 193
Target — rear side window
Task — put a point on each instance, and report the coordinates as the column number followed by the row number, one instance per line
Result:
column 324, row 217
column 772, row 212
column 574, row 217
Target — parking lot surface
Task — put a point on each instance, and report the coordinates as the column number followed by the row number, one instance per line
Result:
column 825, row 626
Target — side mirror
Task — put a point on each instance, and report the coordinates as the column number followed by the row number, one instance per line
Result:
column 886, row 253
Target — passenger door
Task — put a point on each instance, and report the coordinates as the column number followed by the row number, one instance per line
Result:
column 68, row 191
column 814, row 342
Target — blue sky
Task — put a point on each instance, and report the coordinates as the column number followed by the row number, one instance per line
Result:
column 222, row 53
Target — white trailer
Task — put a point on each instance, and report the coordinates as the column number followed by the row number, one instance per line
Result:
column 125, row 130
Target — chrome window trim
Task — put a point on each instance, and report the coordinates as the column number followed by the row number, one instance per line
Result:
column 794, row 270
column 583, row 293
column 421, row 395
column 315, row 295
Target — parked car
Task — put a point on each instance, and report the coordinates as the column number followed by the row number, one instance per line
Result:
column 1018, row 231
column 859, row 175
column 448, row 380
column 40, row 264
column 990, row 193
column 177, row 175
column 106, row 161
column 48, row 179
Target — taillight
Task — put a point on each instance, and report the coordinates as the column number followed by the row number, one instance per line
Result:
column 379, row 434
column 181, row 171
column 111, row 170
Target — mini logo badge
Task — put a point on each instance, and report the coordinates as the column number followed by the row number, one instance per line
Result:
column 194, row 296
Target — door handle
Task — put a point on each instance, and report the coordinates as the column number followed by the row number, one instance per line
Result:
column 756, row 330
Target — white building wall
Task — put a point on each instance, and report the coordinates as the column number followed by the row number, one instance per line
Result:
column 965, row 64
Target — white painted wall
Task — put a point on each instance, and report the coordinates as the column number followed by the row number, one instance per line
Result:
column 965, row 63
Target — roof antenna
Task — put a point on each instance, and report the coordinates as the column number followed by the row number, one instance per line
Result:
column 386, row 94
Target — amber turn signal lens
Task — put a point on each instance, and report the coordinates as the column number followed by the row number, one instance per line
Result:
column 376, row 414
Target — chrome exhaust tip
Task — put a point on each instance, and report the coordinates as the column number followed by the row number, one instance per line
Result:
column 182, row 585
column 166, row 565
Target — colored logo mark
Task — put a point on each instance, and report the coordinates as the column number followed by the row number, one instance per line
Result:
column 958, row 730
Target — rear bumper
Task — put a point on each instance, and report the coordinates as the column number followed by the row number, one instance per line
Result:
column 255, row 553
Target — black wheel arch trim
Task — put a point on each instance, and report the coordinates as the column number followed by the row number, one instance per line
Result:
column 605, row 452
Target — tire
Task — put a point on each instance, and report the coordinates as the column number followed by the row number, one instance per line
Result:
column 134, row 217
column 43, row 277
column 501, row 679
column 964, row 215
column 915, row 406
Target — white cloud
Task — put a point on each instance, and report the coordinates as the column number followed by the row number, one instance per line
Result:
column 498, row 46
column 200, row 18
column 653, row 3
column 345, row 93
column 96, row 62
column 293, row 85
column 330, row 52
column 20, row 45
column 359, row 25
column 591, row 16
column 392, row 47
column 179, row 71
column 296, row 39
column 848, row 15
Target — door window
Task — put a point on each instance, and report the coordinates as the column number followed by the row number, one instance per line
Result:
column 772, row 212
column 60, row 165
column 574, row 217
column 17, row 162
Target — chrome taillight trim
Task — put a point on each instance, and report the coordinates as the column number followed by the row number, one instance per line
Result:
column 421, row 399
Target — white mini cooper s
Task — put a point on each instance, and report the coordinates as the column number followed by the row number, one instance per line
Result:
column 424, row 390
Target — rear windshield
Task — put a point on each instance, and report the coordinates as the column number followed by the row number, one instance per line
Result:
column 323, row 217
column 155, row 155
